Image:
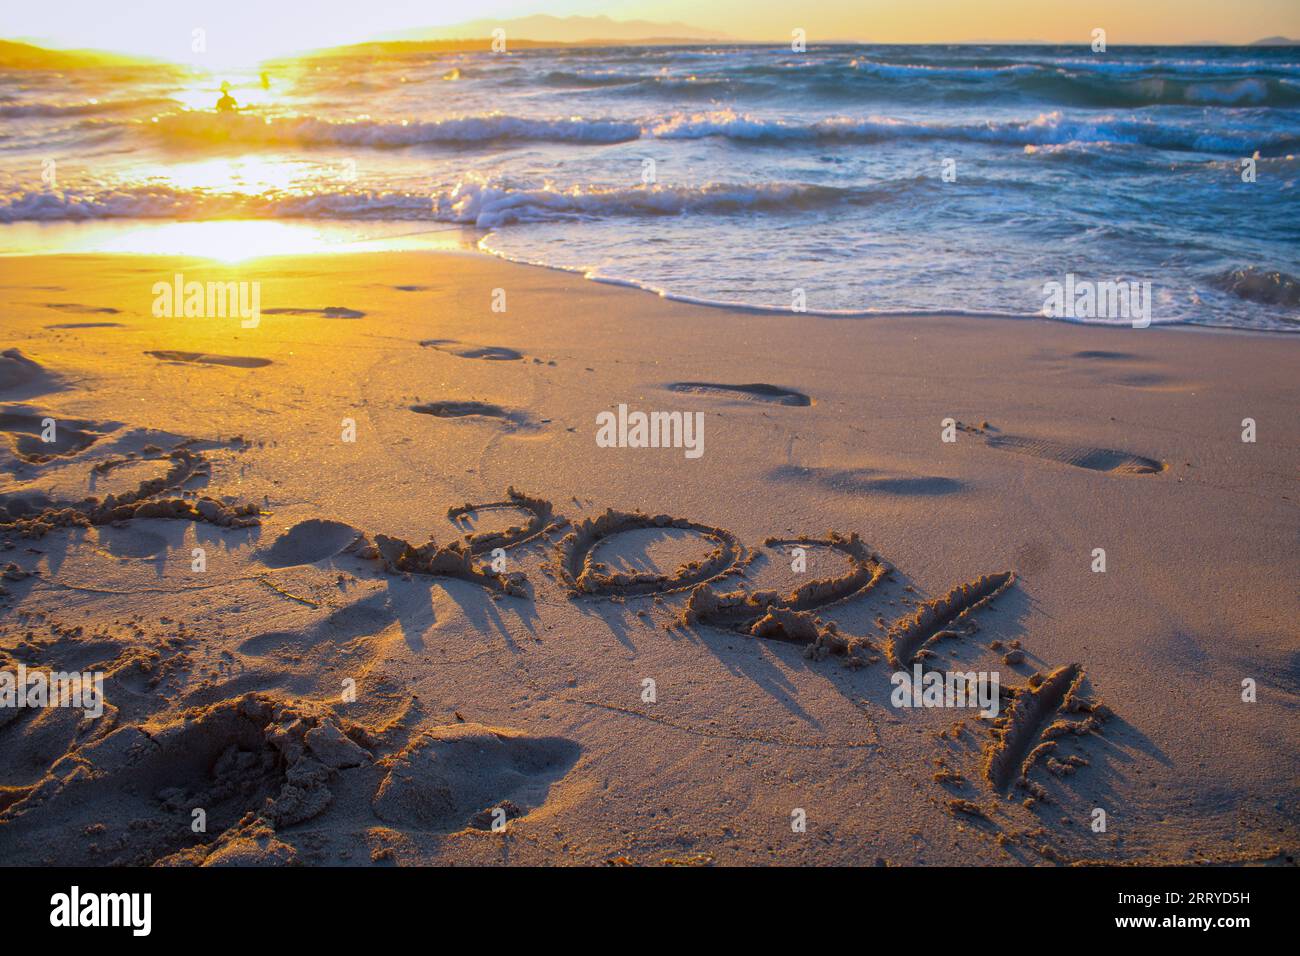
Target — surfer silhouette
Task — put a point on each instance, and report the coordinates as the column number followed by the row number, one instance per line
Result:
column 227, row 102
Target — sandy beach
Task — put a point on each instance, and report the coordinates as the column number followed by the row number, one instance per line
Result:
column 282, row 652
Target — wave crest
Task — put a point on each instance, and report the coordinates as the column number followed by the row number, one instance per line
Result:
column 489, row 206
column 1046, row 129
column 87, row 108
column 205, row 126
column 1242, row 137
column 158, row 201
column 1269, row 287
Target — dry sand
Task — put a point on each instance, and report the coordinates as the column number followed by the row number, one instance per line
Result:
column 476, row 690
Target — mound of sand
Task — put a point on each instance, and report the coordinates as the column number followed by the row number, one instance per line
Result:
column 17, row 371
column 308, row 542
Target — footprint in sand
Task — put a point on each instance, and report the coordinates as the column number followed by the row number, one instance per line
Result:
column 456, row 776
column 131, row 543
column 1124, row 369
column 80, row 309
column 1080, row 456
column 472, row 410
column 490, row 353
column 866, row 481
column 26, row 427
column 366, row 618
column 757, row 392
column 328, row 312
column 1102, row 355
column 202, row 358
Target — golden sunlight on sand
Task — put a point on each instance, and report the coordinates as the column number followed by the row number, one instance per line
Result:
column 233, row 240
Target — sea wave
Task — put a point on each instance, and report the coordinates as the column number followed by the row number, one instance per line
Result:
column 777, row 170
column 1156, row 65
column 1047, row 82
column 483, row 204
column 92, row 107
column 1090, row 90
column 930, row 71
column 489, row 205
column 157, row 201
column 1237, row 134
column 1052, row 128
column 209, row 127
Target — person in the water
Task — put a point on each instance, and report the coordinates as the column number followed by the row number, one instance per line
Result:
column 227, row 102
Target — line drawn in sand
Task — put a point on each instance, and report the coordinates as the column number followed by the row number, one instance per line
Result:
column 541, row 520
column 457, row 558
column 582, row 574
column 1039, row 714
column 1046, row 709
column 186, row 463
column 935, row 619
column 790, row 617
column 316, row 539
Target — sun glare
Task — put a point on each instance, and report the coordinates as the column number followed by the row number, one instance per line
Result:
column 223, row 241
column 248, row 175
column 230, row 240
column 251, row 87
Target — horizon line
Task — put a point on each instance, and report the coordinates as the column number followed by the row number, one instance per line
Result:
column 668, row 40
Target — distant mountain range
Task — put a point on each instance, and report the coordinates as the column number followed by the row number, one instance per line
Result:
column 26, row 56
column 549, row 29
column 544, row 28
column 521, row 32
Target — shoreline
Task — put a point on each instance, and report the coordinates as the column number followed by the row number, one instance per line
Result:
column 773, row 310
column 471, row 240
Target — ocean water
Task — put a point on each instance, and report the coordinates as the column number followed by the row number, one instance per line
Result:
column 731, row 174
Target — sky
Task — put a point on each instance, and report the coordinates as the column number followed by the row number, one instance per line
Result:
column 246, row 31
